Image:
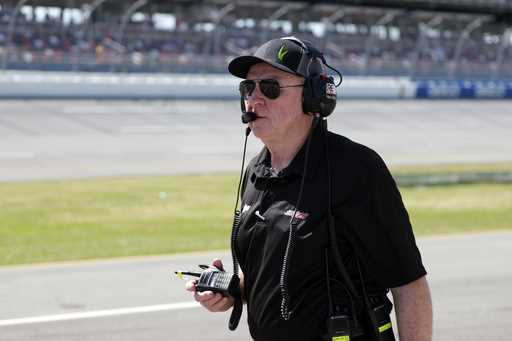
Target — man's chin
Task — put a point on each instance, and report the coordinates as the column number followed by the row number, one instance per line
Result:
column 258, row 130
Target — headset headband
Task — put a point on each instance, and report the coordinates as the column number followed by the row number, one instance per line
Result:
column 310, row 53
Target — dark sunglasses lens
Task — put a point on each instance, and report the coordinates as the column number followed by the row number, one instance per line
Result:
column 270, row 88
column 246, row 88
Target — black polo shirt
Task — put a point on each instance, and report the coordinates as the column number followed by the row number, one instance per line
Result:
column 370, row 220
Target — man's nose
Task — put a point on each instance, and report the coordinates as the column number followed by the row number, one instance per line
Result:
column 256, row 96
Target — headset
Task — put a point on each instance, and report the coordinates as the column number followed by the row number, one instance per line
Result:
column 319, row 92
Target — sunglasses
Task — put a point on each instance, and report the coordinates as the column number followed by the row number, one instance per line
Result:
column 270, row 88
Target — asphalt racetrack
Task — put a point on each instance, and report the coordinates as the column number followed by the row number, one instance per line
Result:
column 69, row 139
column 138, row 299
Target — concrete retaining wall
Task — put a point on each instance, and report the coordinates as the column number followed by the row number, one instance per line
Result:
column 74, row 85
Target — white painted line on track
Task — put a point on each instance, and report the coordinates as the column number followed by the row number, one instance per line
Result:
column 99, row 313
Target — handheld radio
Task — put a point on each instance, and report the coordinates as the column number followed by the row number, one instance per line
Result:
column 215, row 280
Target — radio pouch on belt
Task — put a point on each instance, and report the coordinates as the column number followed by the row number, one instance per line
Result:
column 378, row 324
column 378, row 327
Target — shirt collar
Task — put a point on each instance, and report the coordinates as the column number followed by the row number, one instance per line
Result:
column 262, row 168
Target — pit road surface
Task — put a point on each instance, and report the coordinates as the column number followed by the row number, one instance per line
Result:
column 469, row 275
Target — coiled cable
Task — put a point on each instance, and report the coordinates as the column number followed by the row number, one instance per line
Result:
column 283, row 279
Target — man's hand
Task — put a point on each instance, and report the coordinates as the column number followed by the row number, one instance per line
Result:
column 413, row 307
column 212, row 302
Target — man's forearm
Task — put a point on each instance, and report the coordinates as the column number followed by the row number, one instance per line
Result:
column 413, row 307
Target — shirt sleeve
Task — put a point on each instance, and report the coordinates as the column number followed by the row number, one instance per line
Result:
column 376, row 223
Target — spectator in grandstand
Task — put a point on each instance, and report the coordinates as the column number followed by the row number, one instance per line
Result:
column 323, row 233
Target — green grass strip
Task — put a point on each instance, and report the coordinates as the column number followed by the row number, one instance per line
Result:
column 455, row 168
column 97, row 218
column 103, row 218
column 459, row 208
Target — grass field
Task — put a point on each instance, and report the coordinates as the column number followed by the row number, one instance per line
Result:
column 451, row 168
column 100, row 218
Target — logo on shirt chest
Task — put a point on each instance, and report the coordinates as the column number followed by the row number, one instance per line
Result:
column 298, row 214
column 246, row 208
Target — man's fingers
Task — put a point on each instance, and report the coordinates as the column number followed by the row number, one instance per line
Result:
column 206, row 297
column 203, row 296
column 209, row 300
column 223, row 304
column 191, row 285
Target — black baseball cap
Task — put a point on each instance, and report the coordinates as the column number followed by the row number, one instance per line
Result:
column 288, row 54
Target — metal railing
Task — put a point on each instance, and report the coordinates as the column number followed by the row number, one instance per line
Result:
column 191, row 63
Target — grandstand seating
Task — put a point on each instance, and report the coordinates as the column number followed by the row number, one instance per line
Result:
column 418, row 44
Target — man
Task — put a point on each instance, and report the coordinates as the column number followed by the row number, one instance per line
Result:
column 292, row 280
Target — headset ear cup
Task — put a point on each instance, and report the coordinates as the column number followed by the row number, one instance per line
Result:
column 319, row 91
column 319, row 95
column 311, row 91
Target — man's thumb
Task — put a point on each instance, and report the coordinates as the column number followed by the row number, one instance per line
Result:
column 218, row 264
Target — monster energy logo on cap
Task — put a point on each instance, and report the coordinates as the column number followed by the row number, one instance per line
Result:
column 281, row 53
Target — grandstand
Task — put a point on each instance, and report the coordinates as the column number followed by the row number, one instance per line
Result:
column 416, row 38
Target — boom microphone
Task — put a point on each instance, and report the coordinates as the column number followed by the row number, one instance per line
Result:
column 248, row 116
